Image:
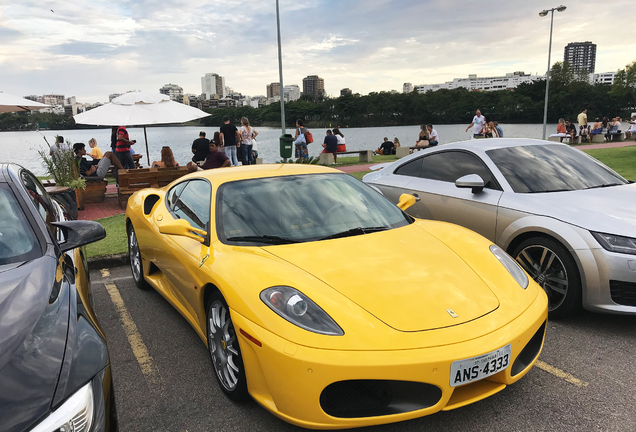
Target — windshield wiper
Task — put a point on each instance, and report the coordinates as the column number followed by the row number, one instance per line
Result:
column 270, row 239
column 604, row 185
column 354, row 232
column 552, row 190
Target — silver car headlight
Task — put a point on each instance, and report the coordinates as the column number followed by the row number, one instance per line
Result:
column 511, row 265
column 74, row 415
column 614, row 243
column 299, row 310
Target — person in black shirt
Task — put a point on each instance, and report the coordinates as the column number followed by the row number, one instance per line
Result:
column 229, row 137
column 330, row 144
column 200, row 148
column 386, row 148
column 96, row 168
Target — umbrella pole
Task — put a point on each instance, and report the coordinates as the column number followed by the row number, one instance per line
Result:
column 147, row 152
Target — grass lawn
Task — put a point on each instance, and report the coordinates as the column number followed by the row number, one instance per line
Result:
column 355, row 160
column 622, row 159
column 116, row 240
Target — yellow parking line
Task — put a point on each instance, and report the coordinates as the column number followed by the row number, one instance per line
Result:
column 105, row 273
column 139, row 349
column 560, row 374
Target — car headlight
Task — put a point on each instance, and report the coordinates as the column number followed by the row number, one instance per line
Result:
column 298, row 309
column 74, row 415
column 614, row 243
column 511, row 265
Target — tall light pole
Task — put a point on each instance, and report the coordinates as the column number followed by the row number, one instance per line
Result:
column 547, row 76
column 280, row 72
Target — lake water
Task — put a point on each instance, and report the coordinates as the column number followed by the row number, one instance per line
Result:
column 21, row 147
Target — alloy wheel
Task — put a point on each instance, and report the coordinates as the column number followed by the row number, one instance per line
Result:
column 223, row 346
column 135, row 256
column 547, row 269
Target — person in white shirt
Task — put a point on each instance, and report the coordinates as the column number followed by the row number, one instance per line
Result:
column 433, row 138
column 59, row 145
column 632, row 128
column 477, row 125
column 342, row 147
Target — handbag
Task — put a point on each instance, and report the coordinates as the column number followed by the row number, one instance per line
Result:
column 309, row 137
column 300, row 139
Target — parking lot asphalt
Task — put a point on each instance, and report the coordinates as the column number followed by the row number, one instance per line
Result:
column 164, row 381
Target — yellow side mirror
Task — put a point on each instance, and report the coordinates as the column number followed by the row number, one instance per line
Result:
column 406, row 201
column 181, row 227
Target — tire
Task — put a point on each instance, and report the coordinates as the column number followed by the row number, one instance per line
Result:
column 224, row 349
column 136, row 266
column 550, row 264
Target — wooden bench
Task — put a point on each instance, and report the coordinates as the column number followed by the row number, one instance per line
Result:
column 130, row 181
column 95, row 191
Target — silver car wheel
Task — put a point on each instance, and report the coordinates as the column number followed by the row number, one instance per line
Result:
column 135, row 256
column 547, row 269
column 223, row 345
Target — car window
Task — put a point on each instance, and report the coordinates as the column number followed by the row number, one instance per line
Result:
column 411, row 168
column 173, row 194
column 40, row 200
column 448, row 166
column 193, row 203
column 551, row 168
column 17, row 240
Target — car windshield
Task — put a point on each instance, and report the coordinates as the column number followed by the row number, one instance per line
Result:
column 301, row 208
column 17, row 240
column 551, row 168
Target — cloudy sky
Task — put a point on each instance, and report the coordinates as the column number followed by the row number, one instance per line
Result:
column 91, row 48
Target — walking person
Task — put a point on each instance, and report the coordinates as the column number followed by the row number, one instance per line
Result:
column 123, row 148
column 229, row 138
column 477, row 125
column 301, row 144
column 247, row 134
column 341, row 140
column 200, row 149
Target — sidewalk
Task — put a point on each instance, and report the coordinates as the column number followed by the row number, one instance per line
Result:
column 110, row 206
column 606, row 145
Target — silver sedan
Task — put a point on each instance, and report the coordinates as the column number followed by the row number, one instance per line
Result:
column 567, row 219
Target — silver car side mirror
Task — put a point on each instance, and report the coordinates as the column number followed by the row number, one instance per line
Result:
column 473, row 181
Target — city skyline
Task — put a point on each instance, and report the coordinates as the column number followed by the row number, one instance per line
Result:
column 95, row 49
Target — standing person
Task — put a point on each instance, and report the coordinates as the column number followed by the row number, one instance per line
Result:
column 247, row 134
column 477, row 125
column 301, row 148
column 200, row 149
column 422, row 138
column 96, row 153
column 123, row 148
column 229, row 139
column 499, row 130
column 113, row 139
column 341, row 140
column 433, row 138
column 216, row 158
column 330, row 144
column 582, row 118
column 167, row 159
column 58, row 145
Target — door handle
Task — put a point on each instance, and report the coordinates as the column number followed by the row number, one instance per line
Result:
column 417, row 197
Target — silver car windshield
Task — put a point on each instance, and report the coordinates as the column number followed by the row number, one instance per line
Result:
column 17, row 241
column 301, row 208
column 551, row 168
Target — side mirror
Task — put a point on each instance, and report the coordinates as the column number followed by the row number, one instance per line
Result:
column 473, row 181
column 79, row 233
column 406, row 201
column 181, row 227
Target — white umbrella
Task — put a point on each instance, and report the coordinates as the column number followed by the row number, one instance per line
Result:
column 140, row 109
column 11, row 103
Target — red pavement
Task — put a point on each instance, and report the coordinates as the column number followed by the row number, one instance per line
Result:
column 606, row 145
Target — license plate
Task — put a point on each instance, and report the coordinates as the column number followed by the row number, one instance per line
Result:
column 476, row 368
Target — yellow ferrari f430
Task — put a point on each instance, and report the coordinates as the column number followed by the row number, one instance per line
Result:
column 327, row 304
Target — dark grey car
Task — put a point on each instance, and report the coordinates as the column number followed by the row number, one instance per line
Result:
column 569, row 220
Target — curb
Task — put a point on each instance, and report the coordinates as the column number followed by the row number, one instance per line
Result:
column 105, row 261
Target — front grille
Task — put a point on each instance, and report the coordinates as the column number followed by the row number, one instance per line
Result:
column 372, row 398
column 529, row 352
column 623, row 293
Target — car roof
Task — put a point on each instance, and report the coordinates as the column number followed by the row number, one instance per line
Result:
column 486, row 144
column 228, row 174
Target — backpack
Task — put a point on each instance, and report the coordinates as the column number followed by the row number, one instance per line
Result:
column 309, row 137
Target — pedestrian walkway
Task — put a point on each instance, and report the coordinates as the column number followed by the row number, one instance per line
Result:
column 606, row 145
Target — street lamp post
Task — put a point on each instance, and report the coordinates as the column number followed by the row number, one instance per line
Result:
column 280, row 72
column 547, row 76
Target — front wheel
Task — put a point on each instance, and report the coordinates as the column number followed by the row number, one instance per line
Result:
column 135, row 259
column 224, row 349
column 553, row 268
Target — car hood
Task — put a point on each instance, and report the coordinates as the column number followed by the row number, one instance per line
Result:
column 610, row 210
column 33, row 329
column 405, row 277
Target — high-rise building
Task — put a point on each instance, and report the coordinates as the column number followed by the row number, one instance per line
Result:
column 407, row 88
column 174, row 91
column 291, row 92
column 273, row 90
column 580, row 56
column 510, row 81
column 213, row 86
column 53, row 99
column 313, row 86
column 345, row 91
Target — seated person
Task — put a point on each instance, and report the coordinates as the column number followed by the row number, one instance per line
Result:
column 167, row 159
column 584, row 132
column 570, row 130
column 614, row 130
column 386, row 148
column 597, row 129
column 95, row 153
column 95, row 169
column 215, row 159
column 330, row 144
column 58, row 145
column 632, row 128
column 422, row 139
column 433, row 138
